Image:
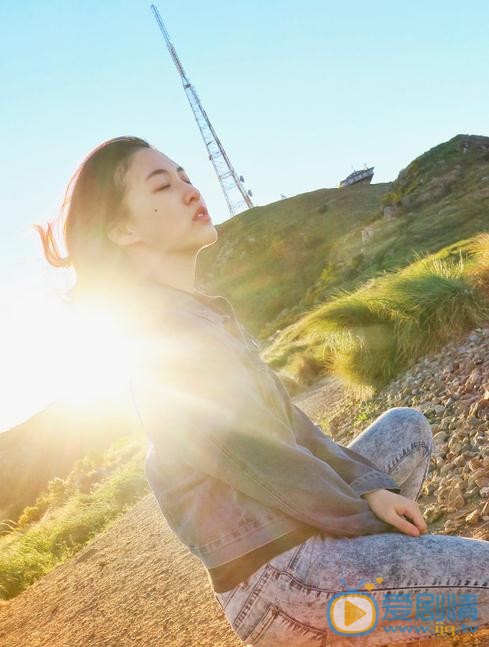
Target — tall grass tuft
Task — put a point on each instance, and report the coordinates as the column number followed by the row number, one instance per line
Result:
column 478, row 271
column 378, row 331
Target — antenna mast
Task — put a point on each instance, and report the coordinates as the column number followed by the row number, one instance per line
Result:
column 231, row 184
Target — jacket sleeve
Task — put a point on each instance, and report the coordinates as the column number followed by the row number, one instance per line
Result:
column 361, row 474
column 197, row 398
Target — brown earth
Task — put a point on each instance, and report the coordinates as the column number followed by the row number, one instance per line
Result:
column 136, row 584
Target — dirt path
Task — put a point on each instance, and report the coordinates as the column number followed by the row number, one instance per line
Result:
column 325, row 398
column 136, row 585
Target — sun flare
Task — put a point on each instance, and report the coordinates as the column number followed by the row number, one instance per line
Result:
column 94, row 358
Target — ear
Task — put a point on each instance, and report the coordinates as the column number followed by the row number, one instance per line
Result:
column 120, row 232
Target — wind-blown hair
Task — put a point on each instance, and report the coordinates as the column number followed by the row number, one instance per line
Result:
column 93, row 199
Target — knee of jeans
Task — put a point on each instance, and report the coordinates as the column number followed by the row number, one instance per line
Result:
column 418, row 424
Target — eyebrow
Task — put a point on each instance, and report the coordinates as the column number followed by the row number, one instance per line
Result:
column 162, row 170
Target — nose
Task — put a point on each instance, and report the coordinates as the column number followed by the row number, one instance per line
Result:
column 191, row 193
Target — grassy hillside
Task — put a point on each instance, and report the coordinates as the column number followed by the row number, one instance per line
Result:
column 278, row 262
column 371, row 334
column 322, row 299
column 268, row 259
column 300, row 275
column 48, row 444
column 70, row 512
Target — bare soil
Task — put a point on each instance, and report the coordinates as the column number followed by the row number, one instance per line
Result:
column 137, row 584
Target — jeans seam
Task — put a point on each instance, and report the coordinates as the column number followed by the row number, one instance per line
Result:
column 427, row 454
column 406, row 452
column 278, row 571
column 254, row 593
column 321, row 633
column 296, row 554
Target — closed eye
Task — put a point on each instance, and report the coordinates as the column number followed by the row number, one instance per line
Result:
column 167, row 185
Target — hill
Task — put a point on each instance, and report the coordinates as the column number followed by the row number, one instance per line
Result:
column 48, row 444
column 279, row 262
column 135, row 584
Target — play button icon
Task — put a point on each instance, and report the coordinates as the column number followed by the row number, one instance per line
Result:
column 352, row 614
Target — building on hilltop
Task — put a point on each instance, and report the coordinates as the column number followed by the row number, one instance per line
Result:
column 363, row 176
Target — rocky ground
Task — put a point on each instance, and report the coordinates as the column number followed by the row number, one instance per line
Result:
column 452, row 389
column 138, row 585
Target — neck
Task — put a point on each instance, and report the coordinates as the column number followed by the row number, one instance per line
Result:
column 177, row 270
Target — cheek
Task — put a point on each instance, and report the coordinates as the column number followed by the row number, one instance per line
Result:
column 164, row 229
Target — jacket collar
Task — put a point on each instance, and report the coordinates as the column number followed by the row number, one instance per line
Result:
column 152, row 296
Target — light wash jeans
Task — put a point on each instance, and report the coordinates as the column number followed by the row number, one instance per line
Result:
column 405, row 586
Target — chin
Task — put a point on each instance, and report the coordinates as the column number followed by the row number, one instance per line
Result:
column 208, row 236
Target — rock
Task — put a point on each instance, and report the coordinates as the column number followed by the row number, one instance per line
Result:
column 433, row 513
column 475, row 464
column 457, row 514
column 456, row 502
column 480, row 408
column 484, row 492
column 459, row 461
column 441, row 437
column 389, row 211
column 476, row 476
column 473, row 518
column 450, row 526
column 457, row 487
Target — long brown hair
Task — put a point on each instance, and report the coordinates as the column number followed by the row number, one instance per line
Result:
column 93, row 199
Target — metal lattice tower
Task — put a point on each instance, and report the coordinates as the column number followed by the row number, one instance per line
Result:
column 233, row 189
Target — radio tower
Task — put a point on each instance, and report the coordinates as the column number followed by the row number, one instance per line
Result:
column 232, row 187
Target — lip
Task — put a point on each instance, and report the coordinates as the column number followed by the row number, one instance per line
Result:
column 205, row 217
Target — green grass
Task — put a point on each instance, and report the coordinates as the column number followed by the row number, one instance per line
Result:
column 323, row 303
column 368, row 336
column 68, row 523
column 301, row 279
column 277, row 263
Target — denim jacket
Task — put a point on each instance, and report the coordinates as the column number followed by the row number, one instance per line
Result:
column 232, row 462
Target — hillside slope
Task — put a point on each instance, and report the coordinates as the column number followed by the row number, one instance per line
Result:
column 134, row 586
column 138, row 585
column 48, row 444
column 280, row 261
column 277, row 263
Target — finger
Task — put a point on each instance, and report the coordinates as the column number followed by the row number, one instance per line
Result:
column 405, row 526
column 414, row 514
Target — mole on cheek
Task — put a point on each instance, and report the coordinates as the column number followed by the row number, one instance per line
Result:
column 156, row 210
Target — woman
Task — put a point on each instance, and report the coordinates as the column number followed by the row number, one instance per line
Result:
column 306, row 542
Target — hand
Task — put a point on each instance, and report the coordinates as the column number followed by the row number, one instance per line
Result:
column 389, row 506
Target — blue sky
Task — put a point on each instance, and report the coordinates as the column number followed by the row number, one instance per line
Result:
column 299, row 94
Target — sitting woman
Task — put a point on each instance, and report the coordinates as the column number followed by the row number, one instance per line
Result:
column 306, row 541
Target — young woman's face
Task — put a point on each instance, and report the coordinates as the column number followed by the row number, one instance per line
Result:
column 162, row 204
